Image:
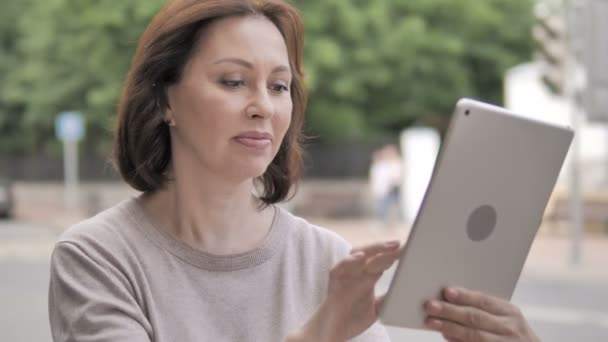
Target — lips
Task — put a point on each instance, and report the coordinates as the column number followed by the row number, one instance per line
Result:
column 255, row 140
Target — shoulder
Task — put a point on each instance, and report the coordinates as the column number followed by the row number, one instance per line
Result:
column 102, row 251
column 308, row 237
column 108, row 235
column 94, row 277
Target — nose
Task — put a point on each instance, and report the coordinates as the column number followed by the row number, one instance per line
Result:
column 261, row 105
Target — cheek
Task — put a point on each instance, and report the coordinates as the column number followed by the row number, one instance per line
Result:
column 215, row 114
column 284, row 116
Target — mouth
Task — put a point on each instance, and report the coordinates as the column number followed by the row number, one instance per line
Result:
column 255, row 140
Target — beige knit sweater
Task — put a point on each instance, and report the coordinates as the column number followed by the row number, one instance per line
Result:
column 116, row 277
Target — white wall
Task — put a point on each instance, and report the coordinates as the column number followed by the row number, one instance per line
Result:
column 526, row 95
column 419, row 146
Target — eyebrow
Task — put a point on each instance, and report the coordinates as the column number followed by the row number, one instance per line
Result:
column 248, row 65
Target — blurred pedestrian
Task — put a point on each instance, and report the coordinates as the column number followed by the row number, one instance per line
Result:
column 212, row 106
column 385, row 177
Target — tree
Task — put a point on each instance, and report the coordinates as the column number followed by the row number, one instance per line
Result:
column 373, row 67
column 11, row 120
column 73, row 55
column 379, row 66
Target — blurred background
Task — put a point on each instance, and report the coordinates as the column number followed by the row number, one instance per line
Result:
column 382, row 72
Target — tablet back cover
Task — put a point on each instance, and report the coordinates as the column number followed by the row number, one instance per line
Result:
column 485, row 202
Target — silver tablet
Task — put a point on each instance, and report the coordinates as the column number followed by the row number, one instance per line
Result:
column 493, row 177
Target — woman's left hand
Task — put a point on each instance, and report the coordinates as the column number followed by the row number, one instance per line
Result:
column 470, row 316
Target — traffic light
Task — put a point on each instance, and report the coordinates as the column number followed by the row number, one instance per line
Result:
column 550, row 36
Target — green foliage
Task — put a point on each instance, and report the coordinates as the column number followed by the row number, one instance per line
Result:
column 66, row 55
column 373, row 67
column 10, row 112
column 382, row 65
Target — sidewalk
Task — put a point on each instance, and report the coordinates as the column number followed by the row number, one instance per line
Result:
column 549, row 256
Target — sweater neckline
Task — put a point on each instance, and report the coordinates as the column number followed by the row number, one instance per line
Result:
column 269, row 246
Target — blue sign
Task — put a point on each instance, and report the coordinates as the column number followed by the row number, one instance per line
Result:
column 69, row 126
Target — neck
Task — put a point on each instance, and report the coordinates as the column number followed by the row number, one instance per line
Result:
column 210, row 214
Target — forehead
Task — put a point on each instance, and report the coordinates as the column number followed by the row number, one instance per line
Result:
column 254, row 38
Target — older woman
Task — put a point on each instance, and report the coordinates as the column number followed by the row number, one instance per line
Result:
column 208, row 130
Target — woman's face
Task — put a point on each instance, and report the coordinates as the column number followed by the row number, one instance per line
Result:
column 232, row 107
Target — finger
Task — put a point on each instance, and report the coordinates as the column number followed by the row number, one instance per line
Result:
column 352, row 264
column 455, row 331
column 479, row 300
column 465, row 315
column 381, row 262
column 377, row 247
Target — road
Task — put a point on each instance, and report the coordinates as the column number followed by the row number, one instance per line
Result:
column 24, row 276
column 560, row 309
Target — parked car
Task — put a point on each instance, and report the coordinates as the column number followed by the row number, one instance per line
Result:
column 7, row 201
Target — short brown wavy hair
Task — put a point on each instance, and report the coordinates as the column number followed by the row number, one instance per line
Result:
column 142, row 146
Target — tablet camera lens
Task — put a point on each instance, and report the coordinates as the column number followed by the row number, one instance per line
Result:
column 466, row 112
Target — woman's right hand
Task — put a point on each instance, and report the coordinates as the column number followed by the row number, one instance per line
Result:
column 351, row 305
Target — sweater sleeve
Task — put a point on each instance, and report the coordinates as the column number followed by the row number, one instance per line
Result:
column 90, row 300
column 377, row 332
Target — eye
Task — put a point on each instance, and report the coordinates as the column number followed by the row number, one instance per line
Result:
column 279, row 88
column 233, row 83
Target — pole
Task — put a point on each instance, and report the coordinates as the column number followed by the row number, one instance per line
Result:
column 573, row 88
column 577, row 221
column 70, row 167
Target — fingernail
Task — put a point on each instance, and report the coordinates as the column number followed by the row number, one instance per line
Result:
column 358, row 255
column 391, row 243
column 433, row 323
column 434, row 306
column 451, row 292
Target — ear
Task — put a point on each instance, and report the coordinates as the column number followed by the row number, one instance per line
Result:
column 168, row 116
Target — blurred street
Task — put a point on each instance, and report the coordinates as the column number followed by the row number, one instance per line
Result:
column 24, row 275
column 562, row 303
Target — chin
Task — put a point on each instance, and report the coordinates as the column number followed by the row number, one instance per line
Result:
column 253, row 169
